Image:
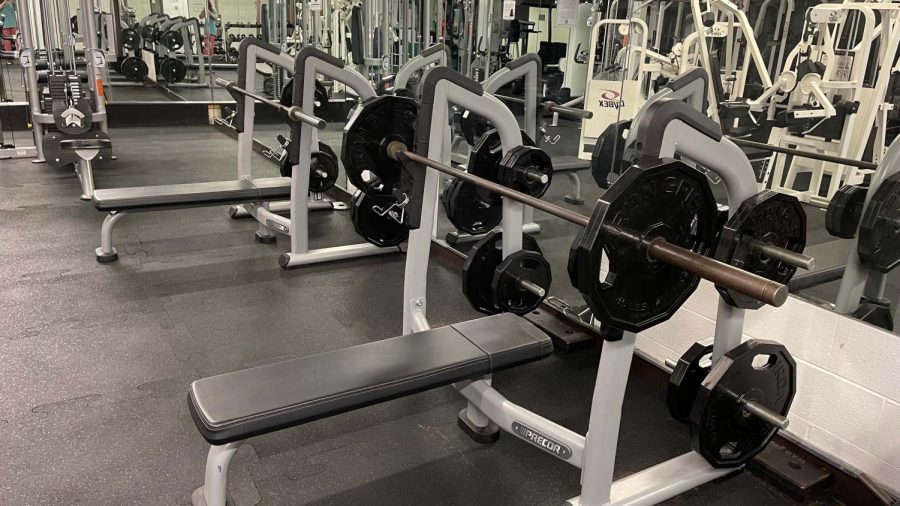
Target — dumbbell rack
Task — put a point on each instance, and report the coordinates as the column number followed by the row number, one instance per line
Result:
column 663, row 135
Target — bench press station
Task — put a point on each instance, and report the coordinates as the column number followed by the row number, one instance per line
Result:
column 231, row 407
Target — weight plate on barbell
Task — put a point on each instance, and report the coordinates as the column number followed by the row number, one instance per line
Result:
column 372, row 126
column 845, row 210
column 722, row 431
column 879, row 230
column 372, row 222
column 522, row 266
column 767, row 218
column 481, row 263
column 467, row 211
column 684, row 382
column 672, row 201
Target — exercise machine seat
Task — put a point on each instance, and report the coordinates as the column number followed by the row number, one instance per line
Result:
column 238, row 405
column 192, row 194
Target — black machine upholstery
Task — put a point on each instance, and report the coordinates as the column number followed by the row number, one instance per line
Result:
column 238, row 405
column 140, row 198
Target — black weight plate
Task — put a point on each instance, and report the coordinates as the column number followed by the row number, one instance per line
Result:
column 572, row 260
column 366, row 213
column 324, row 160
column 485, row 157
column 373, row 125
column 671, row 200
column 845, row 210
column 721, row 430
column 879, row 230
column 172, row 70
column 131, row 39
column 467, row 211
column 478, row 271
column 509, row 296
column 473, row 126
column 521, row 161
column 684, row 382
column 608, row 156
column 134, row 69
column 172, row 40
column 320, row 99
column 766, row 218
column 55, row 156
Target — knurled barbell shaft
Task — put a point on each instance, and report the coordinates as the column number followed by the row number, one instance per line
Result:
column 293, row 112
column 532, row 287
column 728, row 276
column 787, row 256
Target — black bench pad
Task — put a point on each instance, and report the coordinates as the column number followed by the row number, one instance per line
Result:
column 568, row 163
column 238, row 405
column 212, row 193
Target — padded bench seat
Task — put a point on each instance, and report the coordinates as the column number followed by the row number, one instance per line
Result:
column 192, row 194
column 238, row 405
column 568, row 163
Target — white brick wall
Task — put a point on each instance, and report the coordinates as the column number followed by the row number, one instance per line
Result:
column 848, row 375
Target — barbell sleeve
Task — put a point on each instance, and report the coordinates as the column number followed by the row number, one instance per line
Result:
column 728, row 276
column 787, row 256
column 532, row 287
column 552, row 107
column 765, row 414
column 572, row 112
column 293, row 112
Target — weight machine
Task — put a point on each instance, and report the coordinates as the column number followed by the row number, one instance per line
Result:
column 66, row 102
column 835, row 88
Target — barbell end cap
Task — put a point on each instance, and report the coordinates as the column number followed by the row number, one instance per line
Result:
column 779, row 295
column 393, row 150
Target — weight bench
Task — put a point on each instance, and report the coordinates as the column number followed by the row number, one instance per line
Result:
column 86, row 150
column 121, row 201
column 235, row 406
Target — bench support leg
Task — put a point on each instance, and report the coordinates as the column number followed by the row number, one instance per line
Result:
column 86, row 178
column 214, row 491
column 264, row 234
column 106, row 253
column 477, row 424
column 574, row 196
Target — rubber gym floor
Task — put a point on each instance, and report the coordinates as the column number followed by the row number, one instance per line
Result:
column 97, row 358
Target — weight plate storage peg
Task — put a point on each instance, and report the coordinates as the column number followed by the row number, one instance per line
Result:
column 526, row 169
column 481, row 265
column 468, row 211
column 879, row 231
column 743, row 402
column 684, row 382
column 766, row 220
column 670, row 201
column 845, row 210
column 374, row 223
column 521, row 282
column 366, row 161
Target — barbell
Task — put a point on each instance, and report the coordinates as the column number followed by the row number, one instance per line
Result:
column 294, row 113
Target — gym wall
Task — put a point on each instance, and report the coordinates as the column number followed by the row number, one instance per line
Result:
column 848, row 399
